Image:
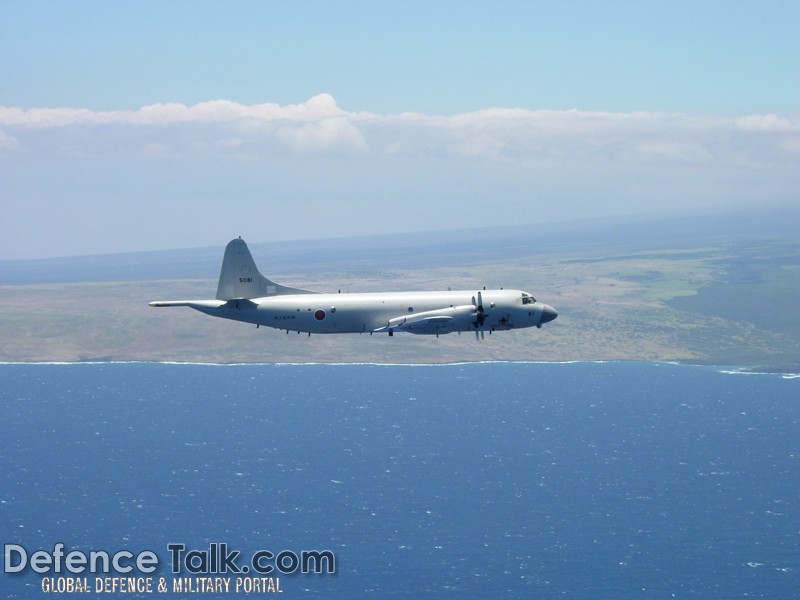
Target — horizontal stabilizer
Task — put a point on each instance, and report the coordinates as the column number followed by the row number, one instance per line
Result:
column 193, row 303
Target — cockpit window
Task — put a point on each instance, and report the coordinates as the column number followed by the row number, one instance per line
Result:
column 526, row 299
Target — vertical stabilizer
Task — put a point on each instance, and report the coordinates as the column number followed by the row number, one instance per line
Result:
column 240, row 278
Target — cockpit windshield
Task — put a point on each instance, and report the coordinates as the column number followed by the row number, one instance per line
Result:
column 527, row 299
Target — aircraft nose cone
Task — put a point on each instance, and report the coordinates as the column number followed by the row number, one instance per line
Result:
column 548, row 314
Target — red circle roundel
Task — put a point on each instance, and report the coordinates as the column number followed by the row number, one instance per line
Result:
column 319, row 315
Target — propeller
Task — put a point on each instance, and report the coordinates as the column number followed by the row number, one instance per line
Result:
column 480, row 316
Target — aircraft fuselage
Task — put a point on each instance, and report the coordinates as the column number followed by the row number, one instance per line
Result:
column 445, row 311
column 244, row 294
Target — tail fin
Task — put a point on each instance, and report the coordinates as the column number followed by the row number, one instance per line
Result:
column 240, row 278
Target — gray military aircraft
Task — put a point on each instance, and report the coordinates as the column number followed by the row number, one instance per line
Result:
column 244, row 294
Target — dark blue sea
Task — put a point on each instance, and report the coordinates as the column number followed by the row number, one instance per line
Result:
column 495, row 480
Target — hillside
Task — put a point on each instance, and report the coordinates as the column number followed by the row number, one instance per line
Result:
column 703, row 291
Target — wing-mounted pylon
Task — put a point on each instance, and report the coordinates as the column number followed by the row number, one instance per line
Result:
column 442, row 320
column 431, row 322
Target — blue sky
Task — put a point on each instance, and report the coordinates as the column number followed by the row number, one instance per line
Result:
column 340, row 118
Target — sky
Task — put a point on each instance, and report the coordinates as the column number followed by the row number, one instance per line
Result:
column 128, row 126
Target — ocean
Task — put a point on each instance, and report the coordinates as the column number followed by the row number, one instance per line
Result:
column 497, row 480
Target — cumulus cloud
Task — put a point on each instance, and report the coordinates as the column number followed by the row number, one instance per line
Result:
column 8, row 142
column 156, row 151
column 375, row 172
column 791, row 144
column 683, row 151
column 323, row 134
column 769, row 122
column 312, row 126
column 215, row 111
column 319, row 125
column 560, row 139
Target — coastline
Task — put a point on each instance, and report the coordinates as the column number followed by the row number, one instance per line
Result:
column 715, row 297
column 723, row 369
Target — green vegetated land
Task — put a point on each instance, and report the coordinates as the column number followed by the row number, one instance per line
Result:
column 721, row 300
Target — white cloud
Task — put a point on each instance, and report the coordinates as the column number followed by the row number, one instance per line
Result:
column 769, row 122
column 312, row 126
column 558, row 139
column 215, row 111
column 156, row 151
column 682, row 151
column 791, row 144
column 384, row 172
column 325, row 134
column 8, row 142
column 499, row 134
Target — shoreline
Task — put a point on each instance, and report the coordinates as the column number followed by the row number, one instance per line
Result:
column 725, row 369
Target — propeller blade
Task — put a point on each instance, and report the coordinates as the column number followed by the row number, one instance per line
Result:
column 480, row 316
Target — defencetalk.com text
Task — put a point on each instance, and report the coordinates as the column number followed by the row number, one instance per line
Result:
column 161, row 585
